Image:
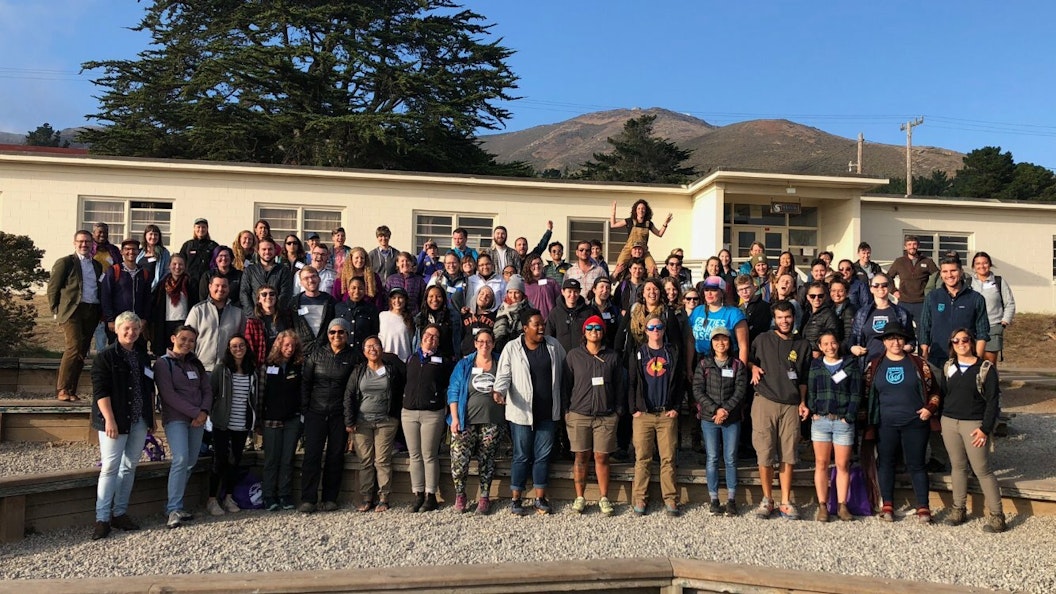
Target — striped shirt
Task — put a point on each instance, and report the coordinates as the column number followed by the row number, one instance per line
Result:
column 239, row 402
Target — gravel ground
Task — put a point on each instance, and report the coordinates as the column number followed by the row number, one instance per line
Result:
column 1017, row 560
column 26, row 458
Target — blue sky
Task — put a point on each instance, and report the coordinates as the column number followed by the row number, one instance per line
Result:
column 981, row 73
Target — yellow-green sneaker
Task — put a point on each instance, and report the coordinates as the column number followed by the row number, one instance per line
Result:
column 606, row 506
column 579, row 505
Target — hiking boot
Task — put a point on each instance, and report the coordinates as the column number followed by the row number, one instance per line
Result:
column 923, row 515
column 958, row 516
column 461, row 503
column 844, row 514
column 579, row 505
column 306, row 508
column 715, row 508
column 230, row 506
column 731, row 509
column 543, row 507
column 606, row 506
column 517, row 508
column 213, row 507
column 789, row 511
column 671, row 509
column 328, row 506
column 174, row 520
column 101, row 530
column 419, row 501
column 995, row 524
column 483, row 506
column 430, row 502
column 123, row 522
column 823, row 512
column 766, row 507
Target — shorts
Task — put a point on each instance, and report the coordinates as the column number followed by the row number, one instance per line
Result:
column 837, row 431
column 997, row 339
column 591, row 434
column 775, row 431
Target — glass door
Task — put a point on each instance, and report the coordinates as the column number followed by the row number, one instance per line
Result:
column 775, row 240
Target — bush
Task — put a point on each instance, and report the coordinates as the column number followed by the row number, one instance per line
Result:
column 19, row 275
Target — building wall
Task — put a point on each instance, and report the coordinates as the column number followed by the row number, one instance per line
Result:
column 1019, row 239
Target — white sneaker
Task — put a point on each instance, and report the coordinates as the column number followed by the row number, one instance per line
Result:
column 230, row 506
column 579, row 505
column 174, row 520
column 766, row 507
column 214, row 508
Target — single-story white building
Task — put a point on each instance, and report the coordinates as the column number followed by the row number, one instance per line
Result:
column 48, row 197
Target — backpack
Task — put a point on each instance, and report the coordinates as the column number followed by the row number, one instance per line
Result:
column 980, row 379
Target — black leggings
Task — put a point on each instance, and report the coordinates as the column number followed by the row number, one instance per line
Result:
column 227, row 457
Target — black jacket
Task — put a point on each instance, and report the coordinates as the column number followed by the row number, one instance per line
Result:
column 566, row 324
column 397, row 373
column 363, row 317
column 426, row 383
column 198, row 253
column 816, row 321
column 309, row 339
column 112, row 378
column 583, row 392
column 279, row 393
column 325, row 376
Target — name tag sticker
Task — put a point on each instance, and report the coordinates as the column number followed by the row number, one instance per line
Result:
column 952, row 370
column 542, row 282
column 299, row 265
column 606, row 316
column 477, row 370
column 451, row 289
column 303, row 310
column 436, row 359
column 148, row 372
column 152, row 259
column 273, row 370
column 380, row 372
column 839, row 376
column 792, row 375
column 727, row 373
column 597, row 381
column 192, row 375
column 989, row 285
column 475, row 331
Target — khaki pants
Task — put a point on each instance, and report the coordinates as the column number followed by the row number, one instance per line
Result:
column 77, row 332
column 374, row 449
column 958, row 437
column 652, row 431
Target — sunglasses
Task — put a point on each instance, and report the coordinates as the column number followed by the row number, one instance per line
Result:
column 291, row 243
column 964, row 340
column 593, row 328
column 879, row 285
column 336, row 332
column 654, row 327
column 691, row 299
column 815, row 296
column 269, row 294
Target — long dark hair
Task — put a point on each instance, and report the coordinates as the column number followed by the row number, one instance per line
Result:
column 247, row 360
column 648, row 211
column 161, row 238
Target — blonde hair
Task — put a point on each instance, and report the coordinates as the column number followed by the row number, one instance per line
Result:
column 239, row 254
column 366, row 273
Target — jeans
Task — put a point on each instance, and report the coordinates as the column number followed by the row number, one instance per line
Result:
column 914, row 440
column 185, row 442
column 423, row 430
column 531, row 448
column 280, row 445
column 119, row 459
column 730, row 435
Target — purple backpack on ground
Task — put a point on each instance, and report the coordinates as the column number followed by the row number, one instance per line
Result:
column 248, row 493
column 857, row 494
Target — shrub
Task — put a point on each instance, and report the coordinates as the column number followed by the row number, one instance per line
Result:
column 19, row 275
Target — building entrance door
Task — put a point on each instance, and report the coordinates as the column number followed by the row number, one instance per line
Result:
column 775, row 240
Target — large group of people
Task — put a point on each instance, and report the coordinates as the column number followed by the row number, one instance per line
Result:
column 342, row 349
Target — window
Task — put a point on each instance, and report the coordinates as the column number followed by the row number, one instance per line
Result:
column 301, row 221
column 439, row 226
column 745, row 223
column 612, row 240
column 1054, row 256
column 127, row 218
column 936, row 243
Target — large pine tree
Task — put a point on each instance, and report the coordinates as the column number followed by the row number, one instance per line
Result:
column 638, row 155
column 385, row 84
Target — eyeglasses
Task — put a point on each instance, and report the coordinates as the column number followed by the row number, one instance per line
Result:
column 815, row 296
column 238, row 347
column 964, row 340
column 691, row 298
column 580, row 251
column 654, row 327
column 291, row 243
column 879, row 285
column 318, row 255
column 747, row 289
column 593, row 328
column 267, row 294
column 336, row 332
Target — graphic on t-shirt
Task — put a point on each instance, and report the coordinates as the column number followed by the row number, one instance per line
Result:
column 656, row 367
column 895, row 375
column 703, row 327
column 878, row 323
column 483, row 382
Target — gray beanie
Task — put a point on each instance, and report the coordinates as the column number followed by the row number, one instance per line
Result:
column 516, row 283
column 341, row 323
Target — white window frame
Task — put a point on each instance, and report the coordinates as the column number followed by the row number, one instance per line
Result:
column 477, row 240
column 935, row 243
column 123, row 227
column 612, row 240
column 300, row 227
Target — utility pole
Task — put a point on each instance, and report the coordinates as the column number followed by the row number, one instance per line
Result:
column 908, row 128
column 856, row 167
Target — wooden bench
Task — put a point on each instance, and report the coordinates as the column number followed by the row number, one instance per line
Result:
column 38, row 420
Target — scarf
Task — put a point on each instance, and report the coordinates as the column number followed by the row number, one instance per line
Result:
column 175, row 287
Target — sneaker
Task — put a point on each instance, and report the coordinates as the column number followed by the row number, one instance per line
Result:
column 213, row 507
column 123, row 522
column 923, row 515
column 483, row 506
column 174, row 520
column 844, row 513
column 185, row 516
column 286, row 504
column 671, row 509
column 461, row 503
column 606, row 506
column 517, row 508
column 543, row 507
column 823, row 512
column 995, row 524
column 328, row 506
column 419, row 501
column 766, row 507
column 715, row 508
column 230, row 506
column 101, row 530
column 306, row 507
column 957, row 516
column 731, row 509
column 788, row 511
column 579, row 505
column 639, row 508
column 887, row 513
column 273, row 505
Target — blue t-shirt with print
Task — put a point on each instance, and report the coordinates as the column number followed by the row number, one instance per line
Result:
column 899, row 391
column 702, row 322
